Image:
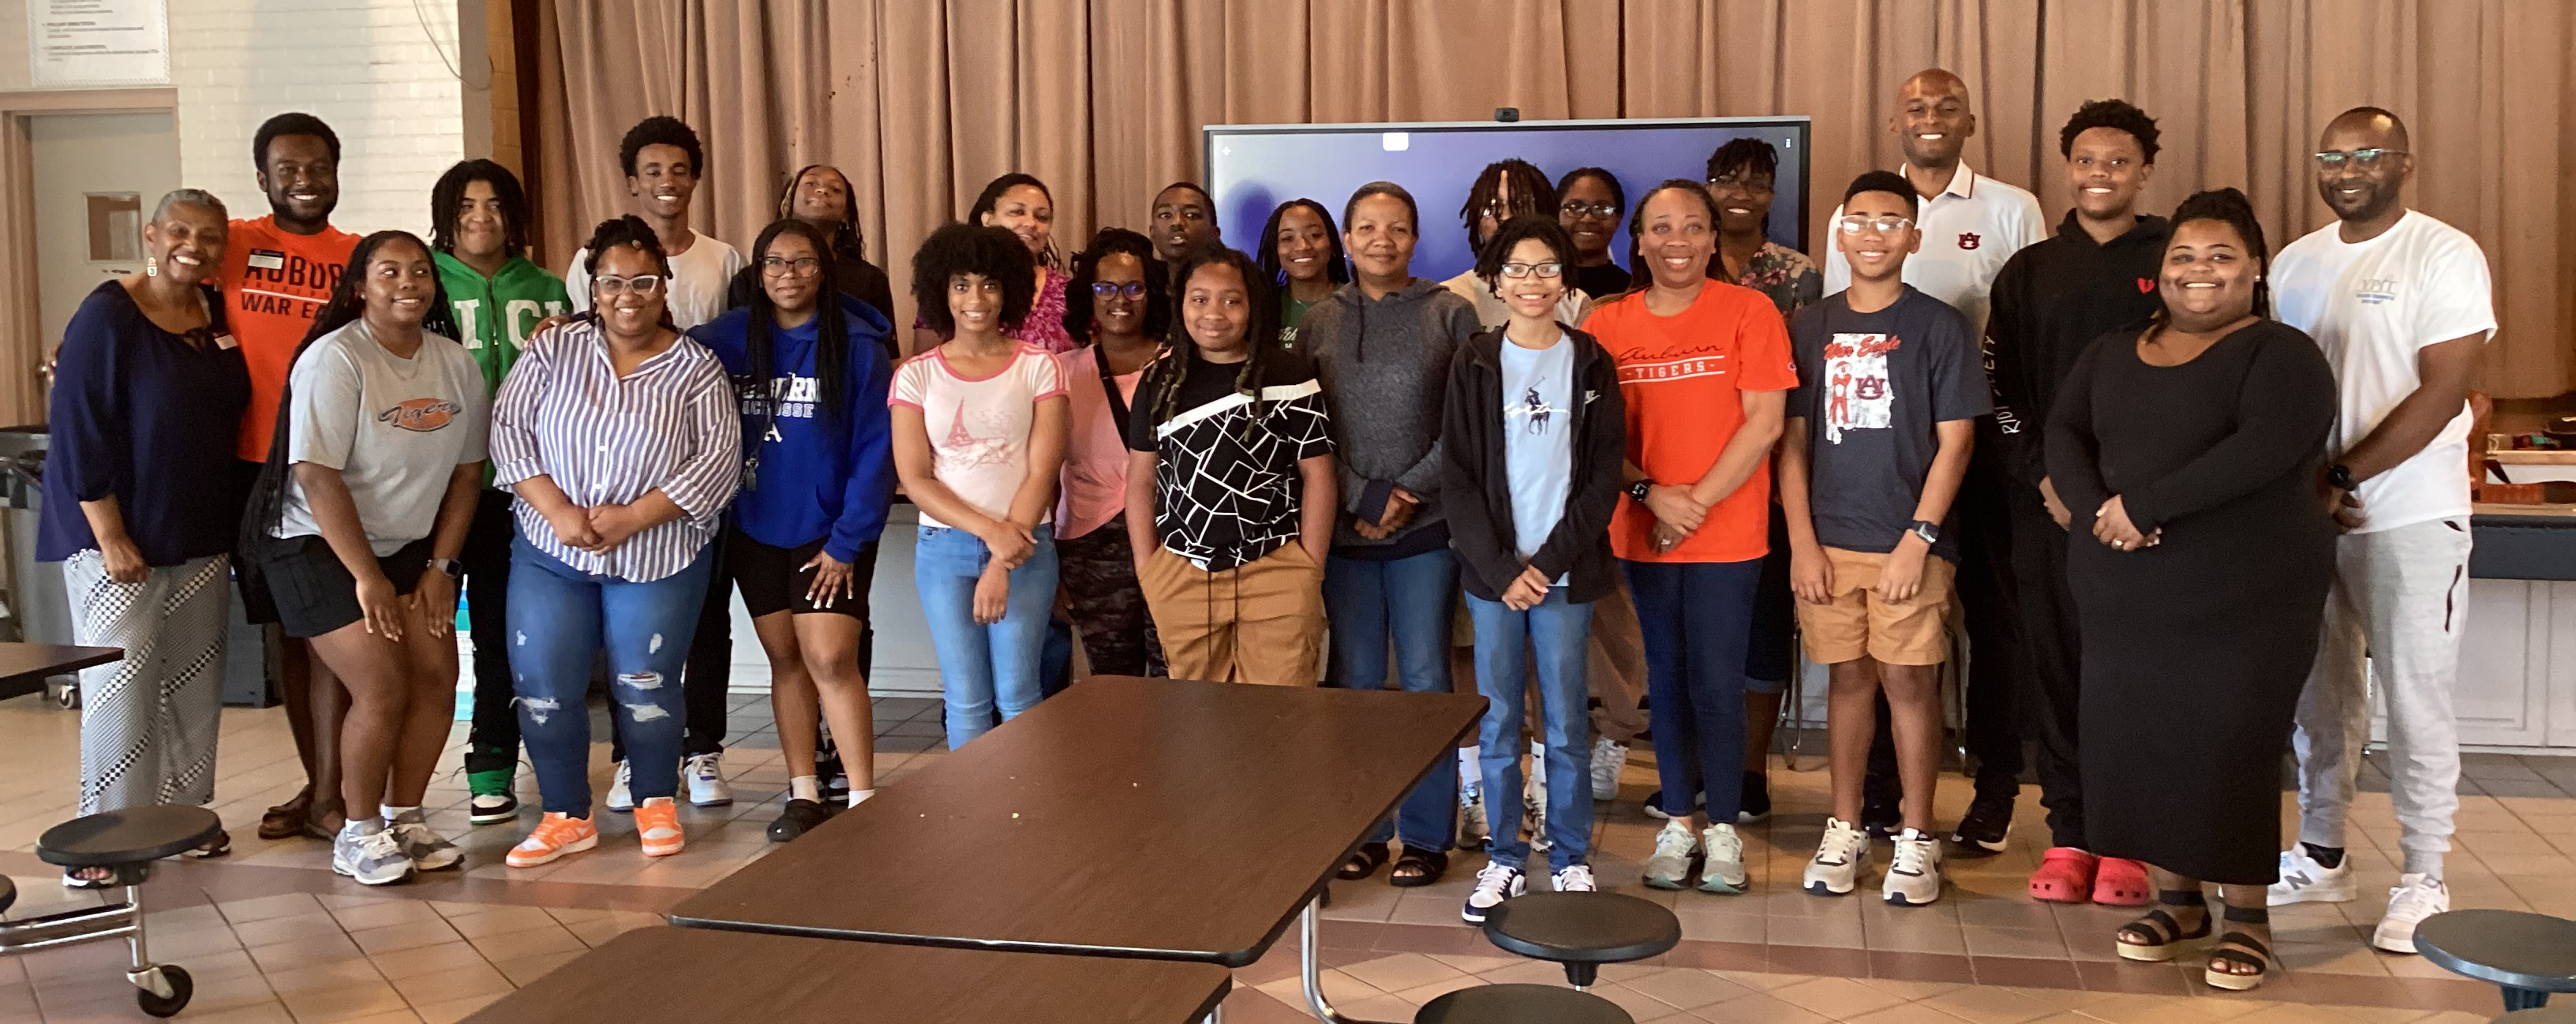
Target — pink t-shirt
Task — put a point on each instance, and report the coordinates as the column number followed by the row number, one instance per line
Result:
column 979, row 427
column 1095, row 456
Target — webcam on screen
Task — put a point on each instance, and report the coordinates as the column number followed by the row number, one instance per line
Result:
column 1507, row 115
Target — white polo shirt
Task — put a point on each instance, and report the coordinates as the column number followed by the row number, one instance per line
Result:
column 2373, row 306
column 1969, row 230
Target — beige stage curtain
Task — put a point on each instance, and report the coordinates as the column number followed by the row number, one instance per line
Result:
column 922, row 101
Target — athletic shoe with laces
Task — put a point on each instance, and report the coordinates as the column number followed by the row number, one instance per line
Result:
column 1836, row 866
column 2416, row 897
column 1722, row 871
column 1756, row 805
column 428, row 850
column 705, row 775
column 555, row 836
column 1576, row 878
column 1607, row 760
column 657, row 827
column 2303, row 880
column 372, row 857
column 1655, row 805
column 1981, row 831
column 1914, row 876
column 1494, row 884
column 621, row 798
column 797, row 818
column 1472, row 831
column 1669, row 867
column 493, row 802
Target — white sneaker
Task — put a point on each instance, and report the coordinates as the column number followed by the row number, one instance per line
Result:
column 620, row 798
column 705, row 775
column 2303, row 880
column 1575, row 879
column 1494, row 884
column 1669, row 867
column 1914, row 877
column 2416, row 897
column 1836, row 866
column 1724, row 871
column 1471, row 817
column 428, row 850
column 1607, row 760
column 373, row 858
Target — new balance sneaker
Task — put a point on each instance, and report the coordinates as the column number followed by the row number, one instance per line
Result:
column 1494, row 884
column 2416, row 897
column 1981, row 831
column 1836, row 866
column 493, row 802
column 1723, row 873
column 1669, row 867
column 657, row 826
column 1607, row 760
column 555, row 836
column 621, row 798
column 1471, row 817
column 1577, row 878
column 704, row 774
column 366, row 850
column 1655, row 805
column 1756, row 805
column 2303, row 880
column 428, row 850
column 1914, row 876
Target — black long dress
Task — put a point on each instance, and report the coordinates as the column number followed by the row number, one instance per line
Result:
column 2195, row 649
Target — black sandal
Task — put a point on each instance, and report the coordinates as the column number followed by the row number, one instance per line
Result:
column 2164, row 934
column 1364, row 862
column 1418, row 867
column 2237, row 947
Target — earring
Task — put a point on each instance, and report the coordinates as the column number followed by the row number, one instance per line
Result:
column 151, row 266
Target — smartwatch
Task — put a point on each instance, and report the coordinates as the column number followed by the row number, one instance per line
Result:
column 453, row 568
column 1640, row 489
column 2340, row 476
column 1930, row 532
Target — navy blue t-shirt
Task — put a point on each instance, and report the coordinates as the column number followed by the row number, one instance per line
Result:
column 147, row 417
column 1873, row 387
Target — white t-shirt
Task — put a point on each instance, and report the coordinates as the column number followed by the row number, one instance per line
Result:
column 1969, row 230
column 1538, row 438
column 979, row 427
column 395, row 429
column 699, row 278
column 2372, row 306
column 1492, row 313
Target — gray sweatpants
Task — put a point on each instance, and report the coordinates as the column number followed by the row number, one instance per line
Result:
column 2399, row 599
column 148, row 722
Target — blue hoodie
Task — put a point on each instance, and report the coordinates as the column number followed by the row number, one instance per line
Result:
column 821, row 477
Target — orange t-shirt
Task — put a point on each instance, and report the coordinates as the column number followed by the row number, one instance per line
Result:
column 274, row 282
column 1682, row 377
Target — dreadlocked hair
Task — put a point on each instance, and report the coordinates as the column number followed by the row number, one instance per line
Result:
column 831, row 330
column 347, row 305
column 847, row 239
column 2230, row 207
column 1744, row 156
column 1531, row 194
column 1086, row 271
column 1639, row 276
column 1261, row 337
column 1336, row 267
column 631, row 231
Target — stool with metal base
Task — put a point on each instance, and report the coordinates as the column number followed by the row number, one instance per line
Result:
column 125, row 842
column 1582, row 930
column 1521, row 1004
column 2527, row 955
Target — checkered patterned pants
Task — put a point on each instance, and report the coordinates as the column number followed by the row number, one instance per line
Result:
column 148, row 722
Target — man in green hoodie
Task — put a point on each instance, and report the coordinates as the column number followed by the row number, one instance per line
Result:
column 479, row 227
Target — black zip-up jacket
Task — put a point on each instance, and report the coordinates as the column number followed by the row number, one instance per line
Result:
column 1477, row 484
column 2051, row 301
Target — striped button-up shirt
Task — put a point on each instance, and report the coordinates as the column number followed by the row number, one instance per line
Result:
column 670, row 425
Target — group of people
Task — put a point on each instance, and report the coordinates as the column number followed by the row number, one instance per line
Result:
column 2171, row 484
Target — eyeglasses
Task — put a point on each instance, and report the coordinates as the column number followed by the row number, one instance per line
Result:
column 802, row 266
column 1588, row 209
column 640, row 284
column 2367, row 159
column 1544, row 270
column 1104, row 289
column 1856, row 224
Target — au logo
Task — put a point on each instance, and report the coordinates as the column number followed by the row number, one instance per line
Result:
column 421, row 414
column 1970, row 240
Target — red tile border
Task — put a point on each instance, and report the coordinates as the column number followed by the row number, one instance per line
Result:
column 1942, row 967
column 1819, row 960
column 2023, row 972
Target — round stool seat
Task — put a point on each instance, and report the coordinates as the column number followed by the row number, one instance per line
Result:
column 2533, row 952
column 1521, row 1004
column 8, row 892
column 131, row 836
column 1582, row 927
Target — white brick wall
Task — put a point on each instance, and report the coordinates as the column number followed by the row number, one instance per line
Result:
column 366, row 67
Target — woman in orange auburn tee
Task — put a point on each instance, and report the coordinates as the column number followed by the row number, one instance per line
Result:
column 1704, row 368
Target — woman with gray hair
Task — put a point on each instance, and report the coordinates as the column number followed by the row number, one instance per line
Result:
column 147, row 387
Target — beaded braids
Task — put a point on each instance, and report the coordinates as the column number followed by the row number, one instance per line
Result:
column 1261, row 337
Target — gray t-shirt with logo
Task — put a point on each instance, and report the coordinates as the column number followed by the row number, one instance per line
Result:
column 395, row 429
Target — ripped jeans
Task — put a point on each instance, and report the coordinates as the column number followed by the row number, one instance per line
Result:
column 561, row 616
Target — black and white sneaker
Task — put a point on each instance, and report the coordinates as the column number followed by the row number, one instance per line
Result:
column 1981, row 831
column 1494, row 884
column 1756, row 804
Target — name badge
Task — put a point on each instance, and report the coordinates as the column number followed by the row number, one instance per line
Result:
column 225, row 343
column 268, row 259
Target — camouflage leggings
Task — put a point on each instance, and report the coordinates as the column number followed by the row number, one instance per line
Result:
column 1098, row 574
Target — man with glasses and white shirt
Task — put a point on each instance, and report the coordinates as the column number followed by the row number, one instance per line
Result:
column 2402, row 304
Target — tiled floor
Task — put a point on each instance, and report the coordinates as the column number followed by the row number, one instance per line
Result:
column 271, row 935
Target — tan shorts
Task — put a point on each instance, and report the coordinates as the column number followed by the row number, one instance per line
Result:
column 1858, row 622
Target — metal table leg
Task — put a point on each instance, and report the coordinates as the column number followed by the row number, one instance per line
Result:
column 1310, row 957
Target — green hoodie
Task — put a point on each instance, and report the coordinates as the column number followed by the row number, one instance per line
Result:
column 496, row 314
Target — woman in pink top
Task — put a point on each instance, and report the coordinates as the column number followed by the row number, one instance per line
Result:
column 1020, row 204
column 1118, row 300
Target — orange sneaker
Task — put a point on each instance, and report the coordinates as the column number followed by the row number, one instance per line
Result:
column 657, row 823
column 556, row 835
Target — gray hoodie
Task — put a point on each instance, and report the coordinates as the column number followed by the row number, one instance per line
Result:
column 1384, row 365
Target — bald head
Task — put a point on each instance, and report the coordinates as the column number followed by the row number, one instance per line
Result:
column 1932, row 121
column 2381, row 127
column 1934, row 82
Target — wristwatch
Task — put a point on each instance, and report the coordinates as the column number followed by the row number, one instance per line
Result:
column 1930, row 532
column 2340, row 476
column 1640, row 489
column 453, row 568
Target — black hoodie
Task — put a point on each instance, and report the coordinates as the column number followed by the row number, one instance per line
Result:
column 2051, row 301
column 1474, row 476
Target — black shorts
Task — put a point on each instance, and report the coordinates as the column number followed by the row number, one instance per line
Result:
column 772, row 580
column 258, row 608
column 315, row 593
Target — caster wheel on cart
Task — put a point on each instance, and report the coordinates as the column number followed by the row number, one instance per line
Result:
column 66, row 696
column 151, row 995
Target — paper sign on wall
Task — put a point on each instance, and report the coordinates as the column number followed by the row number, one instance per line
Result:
column 98, row 42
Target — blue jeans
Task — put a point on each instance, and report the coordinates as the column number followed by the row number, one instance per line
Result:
column 1558, row 630
column 982, row 665
column 1697, row 621
column 559, row 616
column 1409, row 601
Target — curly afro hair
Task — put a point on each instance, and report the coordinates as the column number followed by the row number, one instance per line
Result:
column 2114, row 114
column 660, row 130
column 958, row 249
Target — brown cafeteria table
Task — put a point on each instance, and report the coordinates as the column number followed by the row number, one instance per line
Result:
column 25, row 667
column 693, row 976
column 1125, row 817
